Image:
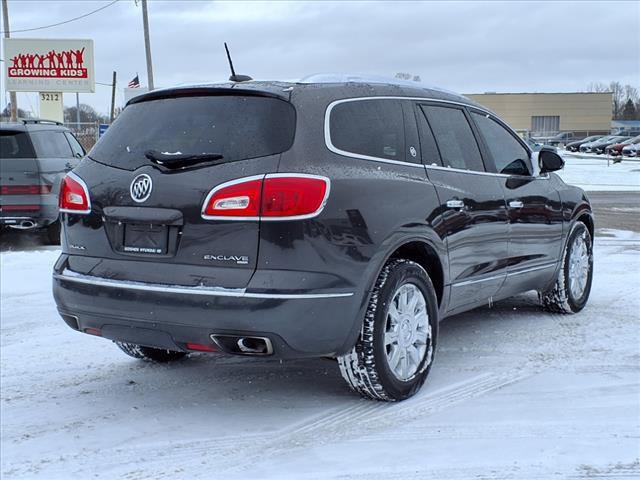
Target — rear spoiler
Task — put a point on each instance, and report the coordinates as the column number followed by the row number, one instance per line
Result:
column 205, row 91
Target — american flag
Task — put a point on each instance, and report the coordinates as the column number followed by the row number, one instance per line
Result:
column 135, row 83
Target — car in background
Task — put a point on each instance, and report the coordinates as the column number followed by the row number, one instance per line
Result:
column 601, row 147
column 35, row 155
column 616, row 149
column 591, row 146
column 575, row 146
column 561, row 139
column 631, row 150
column 536, row 146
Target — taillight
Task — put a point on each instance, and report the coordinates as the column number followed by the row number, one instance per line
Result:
column 74, row 195
column 278, row 196
column 25, row 189
column 238, row 198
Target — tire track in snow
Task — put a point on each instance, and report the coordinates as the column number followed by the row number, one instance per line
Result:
column 238, row 454
column 356, row 423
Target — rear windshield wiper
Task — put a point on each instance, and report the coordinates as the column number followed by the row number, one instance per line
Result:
column 181, row 160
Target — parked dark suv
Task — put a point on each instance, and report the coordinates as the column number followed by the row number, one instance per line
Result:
column 34, row 157
column 311, row 220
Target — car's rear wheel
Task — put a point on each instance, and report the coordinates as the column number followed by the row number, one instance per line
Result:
column 570, row 292
column 148, row 353
column 393, row 355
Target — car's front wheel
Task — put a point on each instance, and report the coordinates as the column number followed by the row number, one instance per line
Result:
column 148, row 353
column 393, row 355
column 571, row 289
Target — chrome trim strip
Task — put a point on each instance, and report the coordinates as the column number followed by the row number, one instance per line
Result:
column 69, row 276
column 508, row 274
column 86, row 192
column 329, row 144
column 471, row 282
column 326, row 180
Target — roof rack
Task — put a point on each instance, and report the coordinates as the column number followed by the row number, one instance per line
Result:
column 39, row 120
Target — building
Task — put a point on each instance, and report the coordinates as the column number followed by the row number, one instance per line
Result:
column 544, row 114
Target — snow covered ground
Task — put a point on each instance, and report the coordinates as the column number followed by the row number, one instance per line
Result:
column 514, row 393
column 595, row 173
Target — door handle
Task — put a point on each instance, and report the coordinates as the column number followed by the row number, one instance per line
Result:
column 455, row 203
column 516, row 204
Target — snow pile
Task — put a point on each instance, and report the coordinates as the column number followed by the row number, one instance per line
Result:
column 513, row 393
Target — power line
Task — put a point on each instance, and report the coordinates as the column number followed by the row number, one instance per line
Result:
column 66, row 21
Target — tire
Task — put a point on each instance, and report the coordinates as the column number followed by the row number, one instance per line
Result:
column 148, row 353
column 571, row 289
column 52, row 233
column 369, row 368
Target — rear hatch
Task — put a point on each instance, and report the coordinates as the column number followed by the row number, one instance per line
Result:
column 19, row 177
column 161, row 236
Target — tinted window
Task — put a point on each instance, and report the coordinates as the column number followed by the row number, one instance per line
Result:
column 15, row 145
column 457, row 145
column 369, row 127
column 238, row 127
column 77, row 149
column 430, row 155
column 508, row 153
column 50, row 143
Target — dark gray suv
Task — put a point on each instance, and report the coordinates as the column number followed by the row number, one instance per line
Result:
column 34, row 157
column 312, row 219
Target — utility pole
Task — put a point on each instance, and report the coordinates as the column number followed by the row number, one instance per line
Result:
column 13, row 98
column 147, row 43
column 78, row 111
column 113, row 97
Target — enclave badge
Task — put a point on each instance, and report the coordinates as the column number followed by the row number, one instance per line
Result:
column 239, row 259
column 140, row 188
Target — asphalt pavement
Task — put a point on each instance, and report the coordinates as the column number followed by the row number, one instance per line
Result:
column 616, row 210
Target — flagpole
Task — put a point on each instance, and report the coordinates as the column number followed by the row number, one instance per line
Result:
column 147, row 44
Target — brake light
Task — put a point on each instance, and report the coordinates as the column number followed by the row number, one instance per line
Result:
column 280, row 196
column 238, row 198
column 74, row 195
column 25, row 189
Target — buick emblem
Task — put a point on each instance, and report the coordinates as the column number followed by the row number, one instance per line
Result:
column 141, row 188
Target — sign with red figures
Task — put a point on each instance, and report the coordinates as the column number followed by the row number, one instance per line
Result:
column 48, row 65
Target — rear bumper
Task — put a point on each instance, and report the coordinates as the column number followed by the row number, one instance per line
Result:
column 30, row 212
column 301, row 324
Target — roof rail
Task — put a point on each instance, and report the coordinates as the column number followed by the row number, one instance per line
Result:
column 39, row 120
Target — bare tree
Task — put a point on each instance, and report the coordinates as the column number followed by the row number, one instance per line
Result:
column 597, row 87
column 621, row 94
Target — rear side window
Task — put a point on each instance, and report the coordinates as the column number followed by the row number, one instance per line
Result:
column 374, row 128
column 77, row 149
column 238, row 127
column 509, row 156
column 457, row 145
column 50, row 143
column 15, row 145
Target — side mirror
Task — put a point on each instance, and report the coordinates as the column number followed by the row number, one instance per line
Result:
column 549, row 160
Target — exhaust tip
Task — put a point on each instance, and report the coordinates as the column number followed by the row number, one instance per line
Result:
column 243, row 345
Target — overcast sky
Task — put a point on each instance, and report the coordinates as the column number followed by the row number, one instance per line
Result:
column 468, row 47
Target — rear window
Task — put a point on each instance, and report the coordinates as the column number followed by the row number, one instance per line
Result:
column 15, row 145
column 238, row 127
column 374, row 128
column 51, row 144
